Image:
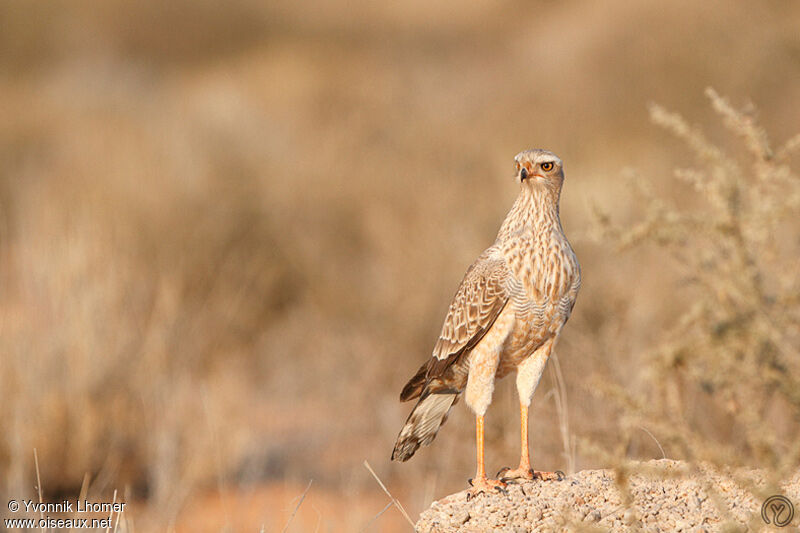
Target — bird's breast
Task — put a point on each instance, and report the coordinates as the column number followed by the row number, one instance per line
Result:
column 544, row 268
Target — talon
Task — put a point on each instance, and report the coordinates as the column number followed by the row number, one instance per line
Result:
column 502, row 471
column 501, row 490
column 558, row 475
column 485, row 486
column 517, row 476
column 470, row 484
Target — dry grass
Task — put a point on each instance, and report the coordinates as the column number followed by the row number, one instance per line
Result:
column 227, row 237
column 721, row 385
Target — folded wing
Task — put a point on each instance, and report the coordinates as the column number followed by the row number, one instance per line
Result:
column 480, row 298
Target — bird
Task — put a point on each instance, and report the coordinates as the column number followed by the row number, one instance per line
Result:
column 506, row 316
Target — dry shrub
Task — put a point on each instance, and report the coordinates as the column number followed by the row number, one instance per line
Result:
column 722, row 383
column 130, row 305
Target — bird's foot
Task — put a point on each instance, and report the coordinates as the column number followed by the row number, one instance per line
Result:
column 508, row 475
column 522, row 473
column 485, row 485
column 558, row 475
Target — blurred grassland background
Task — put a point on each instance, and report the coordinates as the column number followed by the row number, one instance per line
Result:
column 229, row 232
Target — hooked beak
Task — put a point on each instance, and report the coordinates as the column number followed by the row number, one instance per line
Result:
column 524, row 175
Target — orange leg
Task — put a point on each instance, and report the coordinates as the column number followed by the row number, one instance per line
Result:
column 524, row 471
column 525, row 457
column 480, row 483
column 481, row 473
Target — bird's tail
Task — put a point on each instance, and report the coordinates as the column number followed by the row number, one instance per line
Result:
column 423, row 423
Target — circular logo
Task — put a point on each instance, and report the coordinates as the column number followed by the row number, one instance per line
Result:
column 777, row 510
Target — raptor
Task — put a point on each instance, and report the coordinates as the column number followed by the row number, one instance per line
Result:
column 505, row 317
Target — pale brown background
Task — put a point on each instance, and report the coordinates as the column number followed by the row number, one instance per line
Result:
column 229, row 231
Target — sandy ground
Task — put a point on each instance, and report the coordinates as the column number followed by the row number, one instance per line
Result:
column 664, row 495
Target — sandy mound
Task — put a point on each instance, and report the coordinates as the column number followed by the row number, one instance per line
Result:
column 666, row 496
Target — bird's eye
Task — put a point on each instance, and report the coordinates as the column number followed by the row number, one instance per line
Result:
column 548, row 166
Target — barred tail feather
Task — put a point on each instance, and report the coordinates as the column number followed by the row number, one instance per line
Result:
column 422, row 424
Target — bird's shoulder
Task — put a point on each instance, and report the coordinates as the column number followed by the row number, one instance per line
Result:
column 478, row 301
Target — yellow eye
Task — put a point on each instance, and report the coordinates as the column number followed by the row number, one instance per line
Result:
column 547, row 167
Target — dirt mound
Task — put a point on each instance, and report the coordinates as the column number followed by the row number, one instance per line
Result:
column 664, row 495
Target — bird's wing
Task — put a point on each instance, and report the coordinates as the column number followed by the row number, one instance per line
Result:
column 480, row 298
column 478, row 302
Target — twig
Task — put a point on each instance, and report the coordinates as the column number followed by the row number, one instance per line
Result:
column 319, row 518
column 116, row 523
column 663, row 455
column 562, row 409
column 38, row 485
column 394, row 500
column 111, row 512
column 371, row 520
column 296, row 507
column 82, row 494
column 128, row 524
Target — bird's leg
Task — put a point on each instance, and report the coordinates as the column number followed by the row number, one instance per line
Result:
column 480, row 483
column 524, row 471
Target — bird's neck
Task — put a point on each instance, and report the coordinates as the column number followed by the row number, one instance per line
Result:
column 536, row 209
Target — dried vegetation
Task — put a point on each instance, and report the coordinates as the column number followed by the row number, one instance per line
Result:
column 722, row 383
column 229, row 234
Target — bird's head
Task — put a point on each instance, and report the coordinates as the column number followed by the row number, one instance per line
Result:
column 539, row 168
